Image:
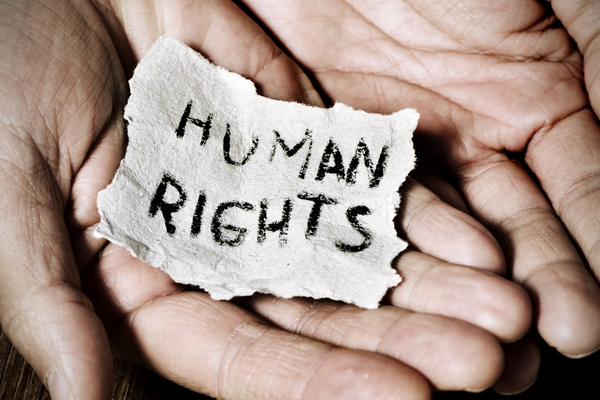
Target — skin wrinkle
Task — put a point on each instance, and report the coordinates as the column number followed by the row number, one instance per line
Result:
column 471, row 173
column 592, row 78
column 463, row 41
column 432, row 91
column 412, row 219
column 127, row 322
column 424, row 300
column 159, row 12
column 459, row 22
column 585, row 41
column 176, row 20
column 471, row 50
column 375, row 344
column 393, row 64
column 541, row 134
column 496, row 163
column 510, row 246
column 446, row 191
column 337, row 309
column 69, row 71
column 263, row 354
column 126, row 20
column 75, row 166
column 200, row 41
column 450, row 308
column 594, row 250
column 411, row 288
column 520, row 219
column 307, row 321
column 474, row 149
column 555, row 268
column 67, row 292
column 297, row 326
column 31, row 26
column 576, row 191
column 275, row 55
column 544, row 22
column 374, row 24
column 314, row 372
column 438, row 27
column 33, row 189
column 66, row 159
column 401, row 320
column 546, row 125
column 125, row 307
column 172, row 290
column 220, row 366
column 379, row 93
column 113, row 18
column 543, row 125
column 99, row 138
column 9, row 153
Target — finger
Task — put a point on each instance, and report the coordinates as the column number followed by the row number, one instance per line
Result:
column 566, row 161
column 441, row 187
column 581, row 20
column 479, row 298
column 434, row 227
column 220, row 31
column 95, row 174
column 121, row 283
column 217, row 348
column 538, row 251
column 445, row 351
column 244, row 358
column 521, row 365
column 42, row 311
column 58, row 98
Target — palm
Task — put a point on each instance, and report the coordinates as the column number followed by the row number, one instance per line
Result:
column 489, row 79
column 467, row 70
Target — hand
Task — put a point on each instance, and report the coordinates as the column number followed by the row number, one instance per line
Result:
column 495, row 82
column 63, row 90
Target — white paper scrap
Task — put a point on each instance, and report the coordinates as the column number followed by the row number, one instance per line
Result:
column 237, row 193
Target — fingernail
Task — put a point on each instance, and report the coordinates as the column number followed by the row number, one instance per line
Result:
column 512, row 392
column 58, row 387
column 582, row 355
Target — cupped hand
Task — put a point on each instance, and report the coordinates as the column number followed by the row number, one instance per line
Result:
column 500, row 89
column 63, row 86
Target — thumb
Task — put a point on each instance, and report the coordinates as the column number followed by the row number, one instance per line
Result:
column 42, row 311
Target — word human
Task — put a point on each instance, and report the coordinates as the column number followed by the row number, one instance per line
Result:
column 331, row 163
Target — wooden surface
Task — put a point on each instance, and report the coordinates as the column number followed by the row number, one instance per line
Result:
column 559, row 378
column 18, row 381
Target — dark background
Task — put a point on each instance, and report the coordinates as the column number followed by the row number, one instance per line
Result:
column 559, row 378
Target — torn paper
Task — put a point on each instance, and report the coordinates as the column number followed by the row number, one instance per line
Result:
column 236, row 193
